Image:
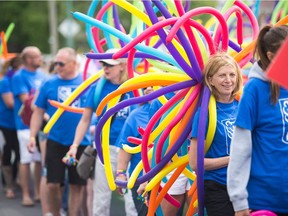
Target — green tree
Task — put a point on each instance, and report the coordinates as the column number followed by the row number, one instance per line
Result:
column 32, row 22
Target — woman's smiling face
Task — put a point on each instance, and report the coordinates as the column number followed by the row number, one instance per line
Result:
column 224, row 81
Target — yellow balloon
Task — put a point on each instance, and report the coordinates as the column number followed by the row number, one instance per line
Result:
column 162, row 98
column 132, row 150
column 137, row 170
column 106, row 155
column 144, row 78
column 212, row 123
column 165, row 171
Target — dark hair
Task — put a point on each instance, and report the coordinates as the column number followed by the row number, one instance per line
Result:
column 16, row 62
column 11, row 64
column 270, row 39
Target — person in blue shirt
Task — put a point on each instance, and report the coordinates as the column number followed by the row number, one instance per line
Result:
column 25, row 82
column 114, row 75
column 58, row 88
column 223, row 77
column 139, row 117
column 7, row 125
column 258, row 168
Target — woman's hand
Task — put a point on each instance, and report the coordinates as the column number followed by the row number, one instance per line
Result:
column 245, row 212
column 141, row 188
column 72, row 151
column 31, row 145
column 121, row 190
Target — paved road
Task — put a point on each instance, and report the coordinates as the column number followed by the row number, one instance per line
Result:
column 13, row 207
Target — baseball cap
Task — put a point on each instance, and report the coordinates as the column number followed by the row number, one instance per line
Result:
column 113, row 61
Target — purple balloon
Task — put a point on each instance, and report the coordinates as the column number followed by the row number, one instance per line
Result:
column 132, row 101
column 117, row 22
column 186, row 45
column 100, row 56
column 174, row 52
column 200, row 149
column 187, row 5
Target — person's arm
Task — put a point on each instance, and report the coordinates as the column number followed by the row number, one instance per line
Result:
column 81, row 130
column 122, row 165
column 35, row 125
column 8, row 99
column 23, row 97
column 209, row 163
column 239, row 170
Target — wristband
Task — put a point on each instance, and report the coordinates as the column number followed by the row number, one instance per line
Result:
column 32, row 138
column 120, row 172
column 74, row 146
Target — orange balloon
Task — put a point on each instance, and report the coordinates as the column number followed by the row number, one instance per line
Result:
column 65, row 107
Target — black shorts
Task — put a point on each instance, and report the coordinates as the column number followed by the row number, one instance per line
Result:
column 216, row 199
column 56, row 168
column 11, row 145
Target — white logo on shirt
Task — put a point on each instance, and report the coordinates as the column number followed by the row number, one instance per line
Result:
column 284, row 111
column 228, row 125
column 64, row 92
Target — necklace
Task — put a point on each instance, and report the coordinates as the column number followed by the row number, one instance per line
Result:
column 231, row 114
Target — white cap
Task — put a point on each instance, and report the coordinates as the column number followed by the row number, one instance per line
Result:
column 113, row 61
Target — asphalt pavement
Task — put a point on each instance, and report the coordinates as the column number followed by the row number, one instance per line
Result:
column 13, row 207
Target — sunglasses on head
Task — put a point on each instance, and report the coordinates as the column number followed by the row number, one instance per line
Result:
column 104, row 64
column 61, row 64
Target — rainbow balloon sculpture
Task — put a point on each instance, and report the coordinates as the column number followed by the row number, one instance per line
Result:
column 164, row 36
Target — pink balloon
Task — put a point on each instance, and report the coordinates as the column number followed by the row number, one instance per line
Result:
column 151, row 29
column 194, row 12
column 176, row 119
column 228, row 13
column 263, row 213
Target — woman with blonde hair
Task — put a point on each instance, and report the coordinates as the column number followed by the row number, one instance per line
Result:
column 223, row 78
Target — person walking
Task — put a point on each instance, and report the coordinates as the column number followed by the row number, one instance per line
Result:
column 60, row 138
column 24, row 83
column 257, row 172
column 114, row 75
column 7, row 125
column 223, row 77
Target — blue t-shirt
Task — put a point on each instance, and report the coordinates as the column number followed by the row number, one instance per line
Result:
column 268, row 182
column 25, row 82
column 138, row 118
column 120, row 117
column 220, row 146
column 59, row 90
column 7, row 115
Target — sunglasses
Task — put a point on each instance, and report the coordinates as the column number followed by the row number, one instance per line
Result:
column 61, row 64
column 104, row 64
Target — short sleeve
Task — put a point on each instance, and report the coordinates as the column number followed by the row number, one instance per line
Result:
column 247, row 114
column 41, row 100
column 18, row 85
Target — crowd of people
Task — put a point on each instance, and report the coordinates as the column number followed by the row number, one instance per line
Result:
column 245, row 166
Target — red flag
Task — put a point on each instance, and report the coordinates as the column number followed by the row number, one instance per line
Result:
column 278, row 69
